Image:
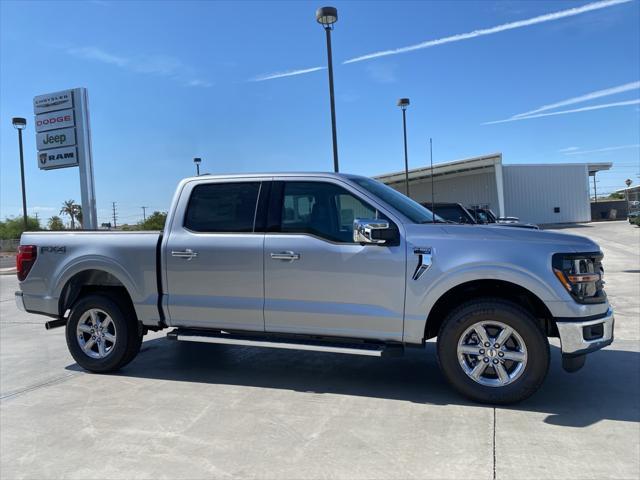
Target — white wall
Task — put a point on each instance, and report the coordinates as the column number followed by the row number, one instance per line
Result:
column 532, row 191
column 468, row 188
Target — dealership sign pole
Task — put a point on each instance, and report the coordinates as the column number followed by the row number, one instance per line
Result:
column 63, row 139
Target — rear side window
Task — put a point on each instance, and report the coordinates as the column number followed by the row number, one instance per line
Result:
column 222, row 207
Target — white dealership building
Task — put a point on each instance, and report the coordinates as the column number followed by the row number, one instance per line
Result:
column 536, row 193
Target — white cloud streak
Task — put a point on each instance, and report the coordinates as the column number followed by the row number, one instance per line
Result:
column 549, row 17
column 97, row 54
column 605, row 149
column 584, row 98
column 568, row 149
column 565, row 112
column 289, row 73
column 162, row 65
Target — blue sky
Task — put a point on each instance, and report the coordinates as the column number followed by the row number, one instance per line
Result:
column 170, row 80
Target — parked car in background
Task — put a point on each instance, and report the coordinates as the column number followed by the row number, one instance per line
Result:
column 484, row 215
column 326, row 262
column 451, row 212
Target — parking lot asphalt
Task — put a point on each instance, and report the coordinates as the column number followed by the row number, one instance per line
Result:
column 214, row 411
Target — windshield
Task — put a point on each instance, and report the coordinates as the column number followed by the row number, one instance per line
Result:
column 410, row 209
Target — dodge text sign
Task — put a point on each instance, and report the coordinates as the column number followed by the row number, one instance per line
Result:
column 53, row 120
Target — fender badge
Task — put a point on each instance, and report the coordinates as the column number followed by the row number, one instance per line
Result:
column 425, row 259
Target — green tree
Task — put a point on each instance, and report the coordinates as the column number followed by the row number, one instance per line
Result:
column 155, row 221
column 13, row 227
column 70, row 209
column 79, row 214
column 616, row 196
column 55, row 223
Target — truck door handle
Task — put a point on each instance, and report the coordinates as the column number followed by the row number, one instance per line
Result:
column 187, row 253
column 288, row 255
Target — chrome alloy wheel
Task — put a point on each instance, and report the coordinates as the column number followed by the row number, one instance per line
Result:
column 96, row 333
column 492, row 353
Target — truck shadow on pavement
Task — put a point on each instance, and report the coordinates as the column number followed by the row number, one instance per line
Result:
column 607, row 388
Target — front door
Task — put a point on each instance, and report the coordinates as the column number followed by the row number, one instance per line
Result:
column 213, row 258
column 317, row 280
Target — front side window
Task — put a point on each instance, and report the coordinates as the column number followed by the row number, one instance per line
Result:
column 222, row 207
column 322, row 209
column 409, row 208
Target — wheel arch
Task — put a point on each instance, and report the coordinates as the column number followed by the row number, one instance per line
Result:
column 93, row 280
column 488, row 288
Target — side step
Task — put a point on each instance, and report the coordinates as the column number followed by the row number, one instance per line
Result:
column 371, row 349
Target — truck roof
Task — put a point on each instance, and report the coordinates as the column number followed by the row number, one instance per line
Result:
column 273, row 174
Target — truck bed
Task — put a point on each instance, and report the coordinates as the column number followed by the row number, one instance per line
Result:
column 129, row 258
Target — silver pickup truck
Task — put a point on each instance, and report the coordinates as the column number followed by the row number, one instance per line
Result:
column 326, row 262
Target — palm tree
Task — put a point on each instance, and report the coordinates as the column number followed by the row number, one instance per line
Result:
column 55, row 223
column 70, row 208
column 79, row 214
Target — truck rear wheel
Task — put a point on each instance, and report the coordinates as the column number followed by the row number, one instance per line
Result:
column 493, row 351
column 102, row 333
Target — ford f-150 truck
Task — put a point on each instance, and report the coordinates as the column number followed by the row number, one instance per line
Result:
column 326, row 262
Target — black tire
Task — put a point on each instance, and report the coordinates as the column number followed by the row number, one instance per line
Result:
column 516, row 317
column 128, row 335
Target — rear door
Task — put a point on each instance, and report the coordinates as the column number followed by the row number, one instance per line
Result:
column 317, row 280
column 213, row 256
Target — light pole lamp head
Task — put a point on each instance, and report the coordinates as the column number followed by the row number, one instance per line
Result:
column 19, row 123
column 403, row 103
column 628, row 182
column 327, row 16
column 197, row 160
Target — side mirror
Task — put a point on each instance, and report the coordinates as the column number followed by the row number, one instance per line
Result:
column 371, row 231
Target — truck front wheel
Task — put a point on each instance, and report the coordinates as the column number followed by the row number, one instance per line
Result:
column 102, row 334
column 493, row 351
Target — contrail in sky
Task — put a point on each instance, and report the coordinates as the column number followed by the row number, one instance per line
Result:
column 583, row 98
column 564, row 112
column 289, row 73
column 549, row 17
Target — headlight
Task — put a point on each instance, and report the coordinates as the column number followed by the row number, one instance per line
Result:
column 581, row 274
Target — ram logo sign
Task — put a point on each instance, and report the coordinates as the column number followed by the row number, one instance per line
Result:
column 58, row 158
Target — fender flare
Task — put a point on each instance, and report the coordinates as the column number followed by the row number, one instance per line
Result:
column 416, row 319
column 96, row 262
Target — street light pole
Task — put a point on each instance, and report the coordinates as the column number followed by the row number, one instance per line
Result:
column 628, row 183
column 20, row 124
column 403, row 103
column 327, row 16
column 197, row 161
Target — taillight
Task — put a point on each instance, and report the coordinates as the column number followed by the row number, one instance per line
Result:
column 25, row 259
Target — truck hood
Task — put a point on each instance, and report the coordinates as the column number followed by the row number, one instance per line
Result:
column 479, row 233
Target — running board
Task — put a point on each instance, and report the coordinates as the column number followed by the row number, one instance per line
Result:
column 288, row 343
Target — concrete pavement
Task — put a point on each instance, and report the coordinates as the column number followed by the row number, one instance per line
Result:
column 203, row 411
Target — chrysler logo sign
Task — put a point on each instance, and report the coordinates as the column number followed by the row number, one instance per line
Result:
column 52, row 102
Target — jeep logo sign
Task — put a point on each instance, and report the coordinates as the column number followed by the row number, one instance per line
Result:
column 56, row 138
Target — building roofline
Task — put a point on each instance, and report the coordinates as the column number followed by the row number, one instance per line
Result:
column 455, row 166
